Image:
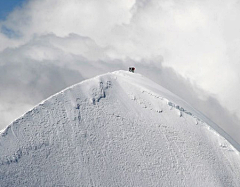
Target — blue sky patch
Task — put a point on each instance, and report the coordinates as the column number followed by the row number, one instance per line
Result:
column 9, row 32
column 6, row 6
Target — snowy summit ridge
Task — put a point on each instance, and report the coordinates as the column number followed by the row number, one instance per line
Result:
column 117, row 129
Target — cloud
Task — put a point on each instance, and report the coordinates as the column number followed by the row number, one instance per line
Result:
column 190, row 47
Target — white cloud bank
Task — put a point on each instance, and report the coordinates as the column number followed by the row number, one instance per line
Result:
column 190, row 47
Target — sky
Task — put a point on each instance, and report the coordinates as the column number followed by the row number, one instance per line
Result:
column 190, row 47
column 6, row 6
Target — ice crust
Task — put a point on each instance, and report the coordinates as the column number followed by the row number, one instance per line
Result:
column 117, row 129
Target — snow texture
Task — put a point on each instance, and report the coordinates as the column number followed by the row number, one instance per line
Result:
column 118, row 129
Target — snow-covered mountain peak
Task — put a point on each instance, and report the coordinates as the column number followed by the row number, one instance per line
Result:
column 117, row 129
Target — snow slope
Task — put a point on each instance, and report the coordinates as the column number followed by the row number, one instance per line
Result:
column 118, row 129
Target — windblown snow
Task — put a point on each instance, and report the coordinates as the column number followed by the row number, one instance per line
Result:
column 118, row 129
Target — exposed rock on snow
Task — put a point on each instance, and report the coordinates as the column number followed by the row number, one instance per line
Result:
column 118, row 129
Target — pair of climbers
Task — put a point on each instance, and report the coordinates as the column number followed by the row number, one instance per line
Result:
column 132, row 69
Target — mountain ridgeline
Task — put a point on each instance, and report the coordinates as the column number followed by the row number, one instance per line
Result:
column 117, row 129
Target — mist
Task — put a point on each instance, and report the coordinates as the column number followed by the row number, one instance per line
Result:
column 189, row 47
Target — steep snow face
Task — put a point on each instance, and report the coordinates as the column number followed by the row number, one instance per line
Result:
column 118, row 129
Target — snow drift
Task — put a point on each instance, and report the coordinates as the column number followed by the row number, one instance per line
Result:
column 118, row 129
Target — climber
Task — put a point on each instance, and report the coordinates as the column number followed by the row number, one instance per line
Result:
column 132, row 69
